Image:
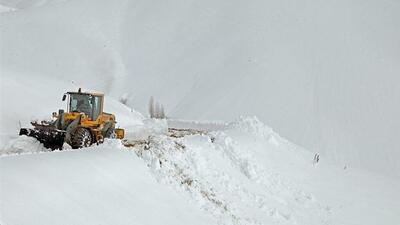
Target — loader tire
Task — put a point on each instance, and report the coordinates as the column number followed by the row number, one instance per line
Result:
column 81, row 138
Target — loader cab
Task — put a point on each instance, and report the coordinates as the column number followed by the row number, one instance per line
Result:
column 89, row 103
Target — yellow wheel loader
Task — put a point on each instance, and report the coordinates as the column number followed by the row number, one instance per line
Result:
column 83, row 124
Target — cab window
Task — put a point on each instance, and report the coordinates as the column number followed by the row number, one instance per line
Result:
column 85, row 103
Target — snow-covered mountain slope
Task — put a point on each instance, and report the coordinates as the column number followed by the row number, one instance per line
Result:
column 244, row 175
column 324, row 74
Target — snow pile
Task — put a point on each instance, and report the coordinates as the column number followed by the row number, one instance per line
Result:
column 227, row 182
column 234, row 176
column 23, row 144
column 198, row 125
column 240, row 176
column 100, row 185
column 254, row 126
column 244, row 160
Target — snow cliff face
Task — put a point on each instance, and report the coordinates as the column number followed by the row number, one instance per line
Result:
column 323, row 74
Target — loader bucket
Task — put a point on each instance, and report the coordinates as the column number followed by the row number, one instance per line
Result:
column 50, row 138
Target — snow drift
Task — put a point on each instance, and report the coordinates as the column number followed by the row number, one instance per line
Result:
column 101, row 185
column 244, row 175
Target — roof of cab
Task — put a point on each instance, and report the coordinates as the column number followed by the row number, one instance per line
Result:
column 85, row 93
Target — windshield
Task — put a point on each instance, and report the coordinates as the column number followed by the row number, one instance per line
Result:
column 85, row 103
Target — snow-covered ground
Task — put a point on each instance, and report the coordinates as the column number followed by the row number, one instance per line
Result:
column 100, row 185
column 246, row 174
column 324, row 74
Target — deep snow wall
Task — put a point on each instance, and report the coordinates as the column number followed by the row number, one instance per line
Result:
column 322, row 73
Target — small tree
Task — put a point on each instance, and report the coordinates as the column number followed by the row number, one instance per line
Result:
column 156, row 109
column 151, row 107
column 162, row 113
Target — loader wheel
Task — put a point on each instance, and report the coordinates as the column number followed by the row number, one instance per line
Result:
column 81, row 138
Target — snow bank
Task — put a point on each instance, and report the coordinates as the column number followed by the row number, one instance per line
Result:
column 235, row 176
column 99, row 185
column 254, row 126
column 240, row 176
column 23, row 144
column 198, row 125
